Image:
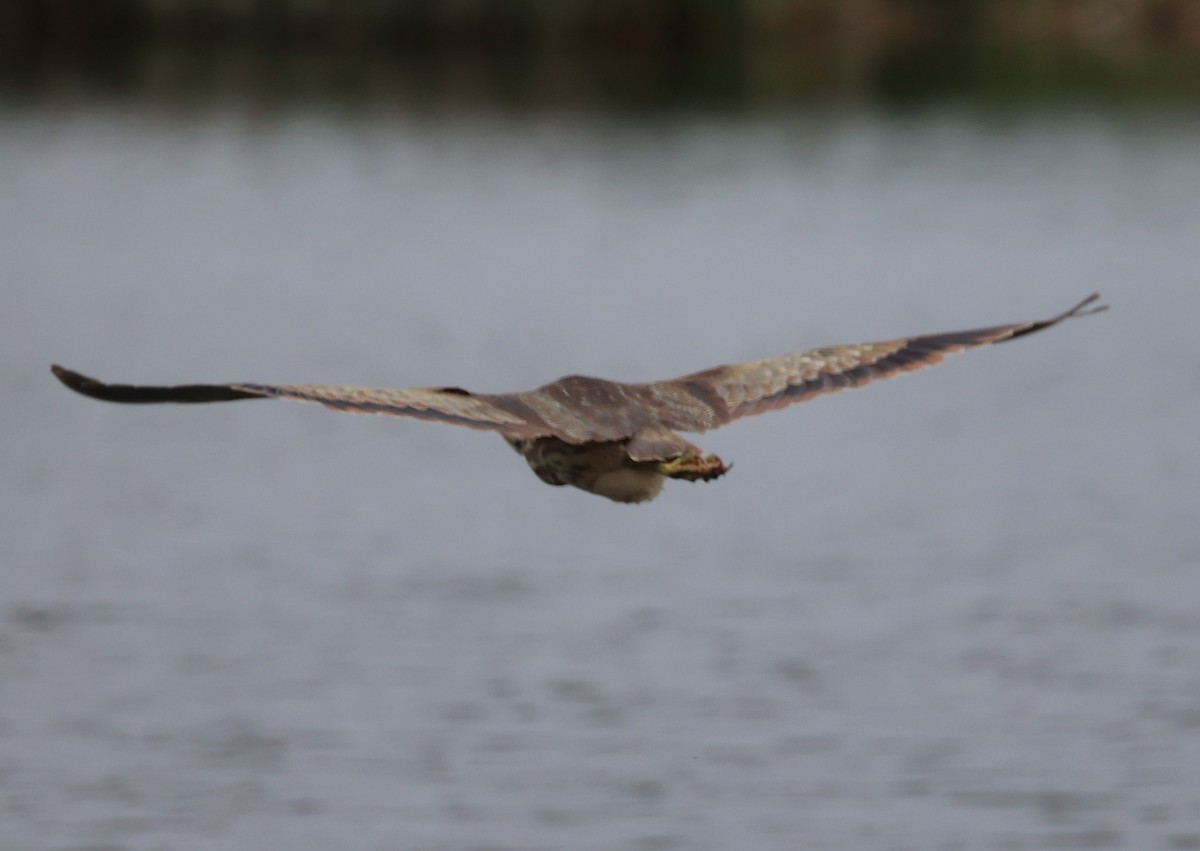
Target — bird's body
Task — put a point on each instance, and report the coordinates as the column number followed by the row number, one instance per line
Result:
column 601, row 468
column 610, row 438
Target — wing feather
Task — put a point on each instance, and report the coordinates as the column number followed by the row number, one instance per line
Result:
column 505, row 414
column 745, row 389
column 579, row 410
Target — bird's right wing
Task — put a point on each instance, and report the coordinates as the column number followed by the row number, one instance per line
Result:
column 503, row 413
column 745, row 389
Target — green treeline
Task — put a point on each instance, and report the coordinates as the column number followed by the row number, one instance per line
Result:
column 645, row 24
column 625, row 53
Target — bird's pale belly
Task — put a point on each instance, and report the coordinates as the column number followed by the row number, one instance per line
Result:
column 628, row 485
column 600, row 468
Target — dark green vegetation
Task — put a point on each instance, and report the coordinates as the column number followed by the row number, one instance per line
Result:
column 546, row 54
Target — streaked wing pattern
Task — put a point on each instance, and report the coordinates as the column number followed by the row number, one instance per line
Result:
column 610, row 438
column 447, row 404
column 751, row 388
column 503, row 413
column 580, row 410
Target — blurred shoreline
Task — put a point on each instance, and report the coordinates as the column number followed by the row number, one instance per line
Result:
column 683, row 24
column 545, row 53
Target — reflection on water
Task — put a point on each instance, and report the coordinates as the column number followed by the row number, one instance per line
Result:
column 951, row 611
column 642, row 83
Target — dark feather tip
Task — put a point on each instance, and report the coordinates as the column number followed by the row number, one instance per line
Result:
column 72, row 379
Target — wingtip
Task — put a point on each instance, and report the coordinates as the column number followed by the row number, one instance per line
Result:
column 82, row 384
column 1078, row 310
column 1084, row 308
column 68, row 377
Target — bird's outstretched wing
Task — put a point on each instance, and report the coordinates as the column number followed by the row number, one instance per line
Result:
column 580, row 410
column 503, row 413
column 745, row 389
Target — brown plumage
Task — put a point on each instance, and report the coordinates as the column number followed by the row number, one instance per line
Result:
column 610, row 438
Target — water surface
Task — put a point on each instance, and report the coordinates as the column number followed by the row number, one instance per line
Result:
column 953, row 611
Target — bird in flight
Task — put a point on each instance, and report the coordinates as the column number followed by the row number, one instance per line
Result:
column 606, row 437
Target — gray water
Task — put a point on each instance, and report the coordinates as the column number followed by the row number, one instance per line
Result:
column 956, row 610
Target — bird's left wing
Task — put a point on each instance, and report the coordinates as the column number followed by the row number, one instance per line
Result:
column 503, row 413
column 726, row 393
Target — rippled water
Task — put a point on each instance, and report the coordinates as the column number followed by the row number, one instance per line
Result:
column 954, row 611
